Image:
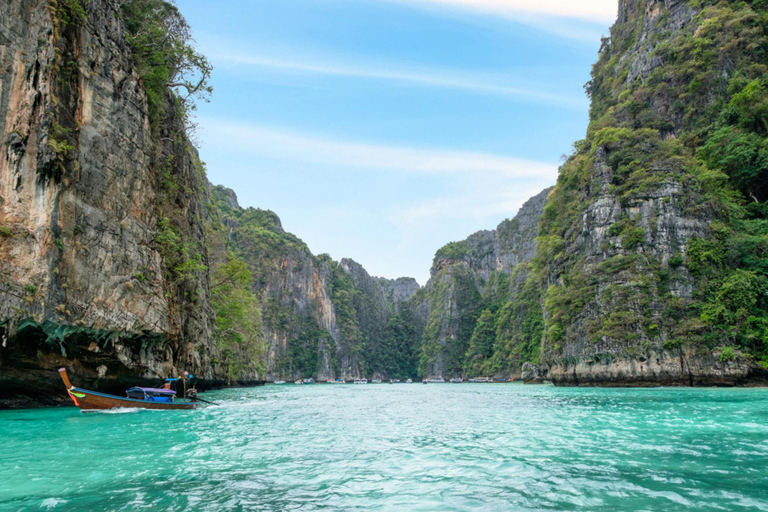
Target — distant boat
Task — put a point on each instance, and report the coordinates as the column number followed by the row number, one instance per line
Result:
column 436, row 380
column 456, row 380
column 141, row 398
column 309, row 381
column 361, row 381
column 337, row 381
column 279, row 382
column 376, row 381
column 397, row 381
column 299, row 381
column 409, row 381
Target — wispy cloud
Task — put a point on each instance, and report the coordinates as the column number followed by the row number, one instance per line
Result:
column 475, row 203
column 588, row 10
column 580, row 20
column 428, row 77
column 272, row 142
column 474, row 207
column 464, row 191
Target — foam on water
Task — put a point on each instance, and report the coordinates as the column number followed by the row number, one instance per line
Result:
column 399, row 447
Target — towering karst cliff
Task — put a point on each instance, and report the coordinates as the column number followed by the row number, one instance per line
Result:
column 117, row 258
column 83, row 277
column 321, row 318
column 472, row 318
column 652, row 253
column 114, row 258
column 652, row 258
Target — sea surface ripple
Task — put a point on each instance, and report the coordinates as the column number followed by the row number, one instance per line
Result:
column 440, row 447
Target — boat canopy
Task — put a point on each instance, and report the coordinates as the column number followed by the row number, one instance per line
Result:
column 153, row 391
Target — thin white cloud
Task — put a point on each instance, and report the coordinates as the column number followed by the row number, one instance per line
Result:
column 470, row 191
column 473, row 204
column 474, row 207
column 589, row 10
column 585, row 21
column 475, row 82
column 267, row 141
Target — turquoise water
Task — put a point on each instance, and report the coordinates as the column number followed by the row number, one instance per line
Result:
column 399, row 447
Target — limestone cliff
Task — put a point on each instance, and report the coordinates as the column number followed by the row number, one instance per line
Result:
column 321, row 318
column 470, row 293
column 397, row 291
column 86, row 191
column 117, row 257
column 659, row 216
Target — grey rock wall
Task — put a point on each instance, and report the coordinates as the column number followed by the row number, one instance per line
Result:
column 447, row 309
column 80, row 269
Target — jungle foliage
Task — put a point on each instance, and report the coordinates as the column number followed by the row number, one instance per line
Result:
column 698, row 122
column 164, row 53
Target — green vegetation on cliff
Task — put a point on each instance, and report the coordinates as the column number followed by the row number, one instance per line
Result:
column 164, row 54
column 454, row 300
column 318, row 323
column 679, row 126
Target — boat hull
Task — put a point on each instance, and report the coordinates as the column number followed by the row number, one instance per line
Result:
column 89, row 401
column 92, row 401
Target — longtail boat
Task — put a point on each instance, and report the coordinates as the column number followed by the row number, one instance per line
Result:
column 141, row 398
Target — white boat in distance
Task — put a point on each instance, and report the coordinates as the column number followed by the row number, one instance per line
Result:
column 361, row 381
column 436, row 380
column 376, row 381
column 337, row 381
column 279, row 382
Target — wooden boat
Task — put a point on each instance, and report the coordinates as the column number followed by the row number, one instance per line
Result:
column 158, row 399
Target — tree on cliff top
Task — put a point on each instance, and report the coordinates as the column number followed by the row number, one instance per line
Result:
column 164, row 53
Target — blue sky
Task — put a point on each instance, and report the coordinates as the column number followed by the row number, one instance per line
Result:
column 381, row 130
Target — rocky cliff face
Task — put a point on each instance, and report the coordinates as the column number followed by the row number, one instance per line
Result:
column 397, row 291
column 639, row 251
column 321, row 318
column 83, row 279
column 117, row 258
column 471, row 281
